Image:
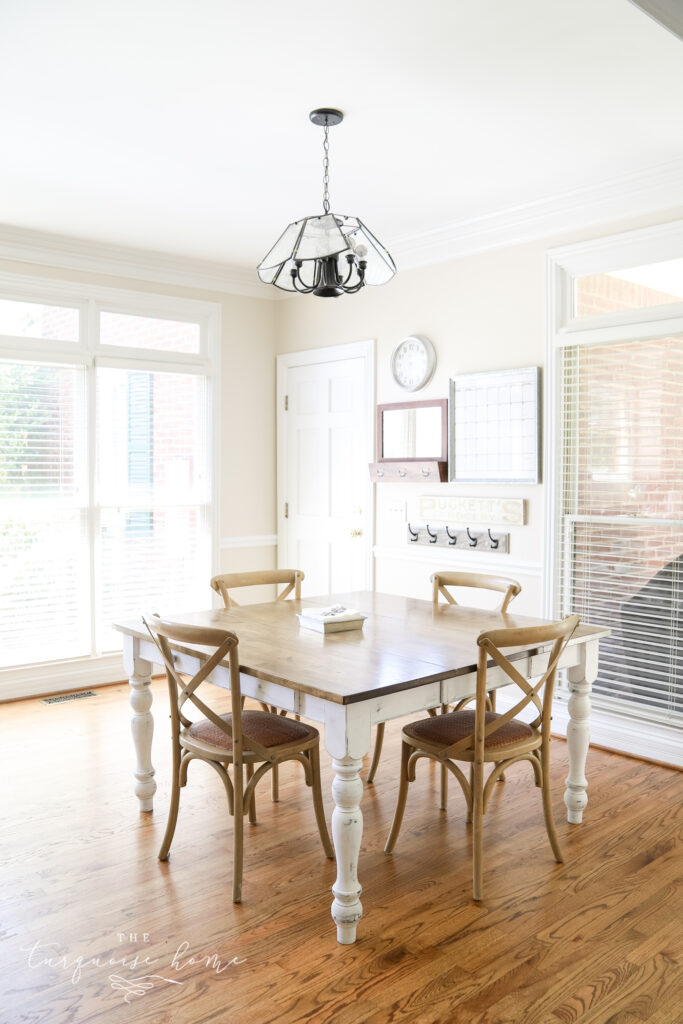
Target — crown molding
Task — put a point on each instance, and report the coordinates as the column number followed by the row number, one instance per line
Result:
column 39, row 247
column 640, row 192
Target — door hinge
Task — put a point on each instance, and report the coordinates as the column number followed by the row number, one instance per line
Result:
column 286, row 403
column 286, row 510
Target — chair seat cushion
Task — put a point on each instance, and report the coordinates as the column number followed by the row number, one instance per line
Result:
column 263, row 727
column 456, row 725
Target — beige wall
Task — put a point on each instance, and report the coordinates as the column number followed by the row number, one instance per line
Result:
column 247, row 414
column 482, row 312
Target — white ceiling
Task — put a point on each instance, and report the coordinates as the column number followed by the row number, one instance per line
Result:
column 181, row 126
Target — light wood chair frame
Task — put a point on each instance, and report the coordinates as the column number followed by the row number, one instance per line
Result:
column 440, row 582
column 246, row 753
column 224, row 582
column 473, row 749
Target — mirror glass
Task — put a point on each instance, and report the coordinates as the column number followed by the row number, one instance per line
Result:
column 412, row 433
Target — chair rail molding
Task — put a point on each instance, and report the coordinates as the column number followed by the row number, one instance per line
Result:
column 458, row 560
column 262, row 540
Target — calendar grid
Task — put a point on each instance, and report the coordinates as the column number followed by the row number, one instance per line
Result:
column 495, row 426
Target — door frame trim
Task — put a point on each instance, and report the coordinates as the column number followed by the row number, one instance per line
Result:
column 331, row 353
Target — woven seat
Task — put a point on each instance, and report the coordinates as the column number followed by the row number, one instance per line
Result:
column 228, row 581
column 267, row 729
column 456, row 725
column 482, row 736
column 252, row 741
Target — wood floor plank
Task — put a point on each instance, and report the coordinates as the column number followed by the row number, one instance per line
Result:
column 595, row 940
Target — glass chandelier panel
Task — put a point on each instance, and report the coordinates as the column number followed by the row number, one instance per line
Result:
column 329, row 254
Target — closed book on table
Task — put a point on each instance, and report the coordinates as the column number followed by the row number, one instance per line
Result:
column 335, row 619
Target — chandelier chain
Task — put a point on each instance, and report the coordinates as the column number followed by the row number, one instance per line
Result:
column 326, row 171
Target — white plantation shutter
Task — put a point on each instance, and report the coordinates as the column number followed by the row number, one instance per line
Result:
column 620, row 525
column 44, row 565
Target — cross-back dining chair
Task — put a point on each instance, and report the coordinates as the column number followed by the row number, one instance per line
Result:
column 227, row 581
column 481, row 736
column 224, row 582
column 440, row 582
column 251, row 741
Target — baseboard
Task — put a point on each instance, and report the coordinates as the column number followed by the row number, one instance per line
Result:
column 60, row 677
column 623, row 734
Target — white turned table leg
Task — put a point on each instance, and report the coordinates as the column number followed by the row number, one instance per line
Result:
column 581, row 679
column 347, row 832
column 142, row 728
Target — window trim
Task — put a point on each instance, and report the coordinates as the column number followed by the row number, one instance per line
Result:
column 634, row 248
column 54, row 676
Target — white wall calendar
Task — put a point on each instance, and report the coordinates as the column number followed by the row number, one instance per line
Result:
column 495, row 426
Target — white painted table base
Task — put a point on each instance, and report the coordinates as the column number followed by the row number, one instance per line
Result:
column 139, row 673
column 347, row 833
column 348, row 739
column 581, row 678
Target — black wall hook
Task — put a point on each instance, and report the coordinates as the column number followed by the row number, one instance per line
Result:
column 495, row 541
column 413, row 533
column 473, row 540
column 452, row 537
column 432, row 536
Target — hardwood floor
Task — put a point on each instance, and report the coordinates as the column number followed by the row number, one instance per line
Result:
column 597, row 940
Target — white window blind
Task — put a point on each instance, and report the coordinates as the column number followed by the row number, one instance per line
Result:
column 105, row 483
column 152, row 489
column 620, row 526
column 43, row 513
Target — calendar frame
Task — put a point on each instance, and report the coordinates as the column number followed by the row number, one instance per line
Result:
column 477, row 384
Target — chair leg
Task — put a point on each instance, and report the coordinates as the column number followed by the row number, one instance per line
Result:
column 275, row 784
column 469, row 811
column 443, row 803
column 401, row 802
column 314, row 757
column 379, row 739
column 478, row 831
column 173, row 809
column 547, row 805
column 238, row 834
column 252, row 802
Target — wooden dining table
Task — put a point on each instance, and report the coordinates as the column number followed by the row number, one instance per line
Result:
column 408, row 657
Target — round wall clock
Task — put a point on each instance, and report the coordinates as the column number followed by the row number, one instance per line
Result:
column 413, row 362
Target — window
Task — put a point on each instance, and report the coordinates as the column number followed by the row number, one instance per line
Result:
column 618, row 471
column 621, row 513
column 106, row 504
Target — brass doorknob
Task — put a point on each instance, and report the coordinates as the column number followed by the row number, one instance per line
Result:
column 356, row 533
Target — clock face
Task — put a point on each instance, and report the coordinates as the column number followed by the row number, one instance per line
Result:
column 413, row 362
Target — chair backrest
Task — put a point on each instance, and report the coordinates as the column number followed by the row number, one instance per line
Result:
column 227, row 581
column 491, row 644
column 441, row 580
column 221, row 644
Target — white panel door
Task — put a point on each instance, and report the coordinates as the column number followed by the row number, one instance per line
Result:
column 325, row 444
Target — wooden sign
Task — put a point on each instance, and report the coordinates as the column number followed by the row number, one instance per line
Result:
column 455, row 508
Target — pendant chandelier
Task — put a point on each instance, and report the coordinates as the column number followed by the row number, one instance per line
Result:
column 329, row 254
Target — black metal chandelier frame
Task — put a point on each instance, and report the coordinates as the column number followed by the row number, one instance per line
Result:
column 309, row 256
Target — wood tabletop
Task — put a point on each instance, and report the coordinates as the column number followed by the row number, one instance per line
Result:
column 404, row 642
